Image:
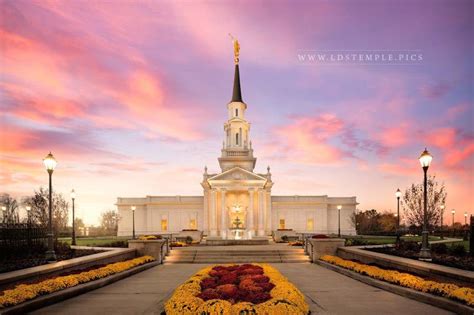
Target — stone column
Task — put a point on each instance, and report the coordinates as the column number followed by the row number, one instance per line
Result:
column 261, row 209
column 250, row 227
column 268, row 212
column 213, row 213
column 223, row 215
column 205, row 213
column 149, row 221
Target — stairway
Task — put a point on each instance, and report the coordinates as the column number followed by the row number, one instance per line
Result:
column 236, row 254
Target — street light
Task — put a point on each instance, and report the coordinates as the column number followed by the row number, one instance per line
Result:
column 73, row 197
column 339, row 207
column 398, row 194
column 442, row 215
column 453, row 212
column 28, row 213
column 133, row 220
column 425, row 161
column 465, row 218
column 4, row 214
column 50, row 163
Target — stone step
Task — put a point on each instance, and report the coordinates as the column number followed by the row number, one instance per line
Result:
column 239, row 260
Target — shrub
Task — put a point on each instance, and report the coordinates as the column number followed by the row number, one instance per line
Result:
column 189, row 239
column 317, row 236
column 439, row 248
column 355, row 242
column 457, row 250
column 284, row 238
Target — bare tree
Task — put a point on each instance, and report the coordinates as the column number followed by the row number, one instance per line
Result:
column 11, row 212
column 39, row 212
column 109, row 221
column 412, row 202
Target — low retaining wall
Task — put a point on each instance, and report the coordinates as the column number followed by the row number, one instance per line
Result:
column 158, row 249
column 403, row 264
column 110, row 256
column 427, row 298
column 323, row 246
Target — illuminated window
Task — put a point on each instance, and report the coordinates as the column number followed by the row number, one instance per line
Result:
column 282, row 224
column 192, row 224
column 164, row 224
column 309, row 224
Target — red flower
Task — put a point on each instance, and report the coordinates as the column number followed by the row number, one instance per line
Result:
column 227, row 291
column 260, row 297
column 266, row 286
column 209, row 294
column 208, row 283
column 260, row 278
column 228, row 278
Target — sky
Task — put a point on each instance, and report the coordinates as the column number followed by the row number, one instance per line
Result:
column 131, row 96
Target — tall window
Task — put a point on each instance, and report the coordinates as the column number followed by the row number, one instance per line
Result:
column 237, row 139
column 236, row 112
column 192, row 224
column 281, row 226
column 309, row 224
column 164, row 224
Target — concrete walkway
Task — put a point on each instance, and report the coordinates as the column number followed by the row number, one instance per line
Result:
column 326, row 292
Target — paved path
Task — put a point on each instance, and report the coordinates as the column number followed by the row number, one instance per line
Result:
column 327, row 292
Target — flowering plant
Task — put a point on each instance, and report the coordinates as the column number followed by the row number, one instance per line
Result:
column 237, row 289
column 449, row 290
column 24, row 292
column 148, row 237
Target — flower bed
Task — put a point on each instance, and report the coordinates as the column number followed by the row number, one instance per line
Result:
column 24, row 292
column 449, row 290
column 237, row 289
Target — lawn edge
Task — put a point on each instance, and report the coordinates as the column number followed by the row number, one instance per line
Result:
column 62, row 295
column 427, row 298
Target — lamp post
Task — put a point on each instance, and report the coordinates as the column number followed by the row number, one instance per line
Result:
column 73, row 197
column 465, row 218
column 28, row 214
column 398, row 194
column 442, row 215
column 133, row 220
column 4, row 214
column 339, row 207
column 425, row 161
column 50, row 163
column 453, row 212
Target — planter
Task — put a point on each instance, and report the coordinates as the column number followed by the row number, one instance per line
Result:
column 324, row 246
column 155, row 248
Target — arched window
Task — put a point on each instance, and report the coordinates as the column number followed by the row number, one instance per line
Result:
column 236, row 112
column 237, row 139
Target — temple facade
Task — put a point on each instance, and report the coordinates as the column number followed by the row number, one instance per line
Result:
column 237, row 202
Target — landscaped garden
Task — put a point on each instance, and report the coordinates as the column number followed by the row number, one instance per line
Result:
column 237, row 289
column 452, row 254
column 25, row 292
column 448, row 290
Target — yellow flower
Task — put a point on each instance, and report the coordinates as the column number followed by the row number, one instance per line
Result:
column 25, row 292
column 449, row 290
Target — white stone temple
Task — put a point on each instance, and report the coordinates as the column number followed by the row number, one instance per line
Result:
column 237, row 202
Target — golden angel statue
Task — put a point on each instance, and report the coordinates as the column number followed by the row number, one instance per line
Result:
column 236, row 48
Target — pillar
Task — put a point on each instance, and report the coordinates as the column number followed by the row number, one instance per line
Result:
column 213, row 213
column 205, row 214
column 223, row 228
column 261, row 209
column 250, row 227
column 149, row 221
column 268, row 212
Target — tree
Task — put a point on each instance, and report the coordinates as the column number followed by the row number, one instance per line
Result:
column 11, row 213
column 39, row 212
column 412, row 202
column 109, row 222
column 388, row 222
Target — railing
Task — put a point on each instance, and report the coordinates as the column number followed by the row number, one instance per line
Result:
column 237, row 153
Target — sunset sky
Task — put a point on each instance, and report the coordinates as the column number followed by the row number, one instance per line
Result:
column 130, row 97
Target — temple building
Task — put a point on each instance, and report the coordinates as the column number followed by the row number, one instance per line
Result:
column 237, row 202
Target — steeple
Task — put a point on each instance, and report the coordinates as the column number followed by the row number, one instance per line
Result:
column 237, row 149
column 236, row 93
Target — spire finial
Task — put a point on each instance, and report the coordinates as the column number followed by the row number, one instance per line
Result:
column 236, row 49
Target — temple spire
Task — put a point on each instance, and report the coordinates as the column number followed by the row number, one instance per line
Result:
column 236, row 92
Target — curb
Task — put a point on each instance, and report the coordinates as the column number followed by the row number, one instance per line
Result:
column 427, row 298
column 62, row 295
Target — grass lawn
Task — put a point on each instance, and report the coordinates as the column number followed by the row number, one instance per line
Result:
column 465, row 243
column 379, row 240
column 94, row 241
